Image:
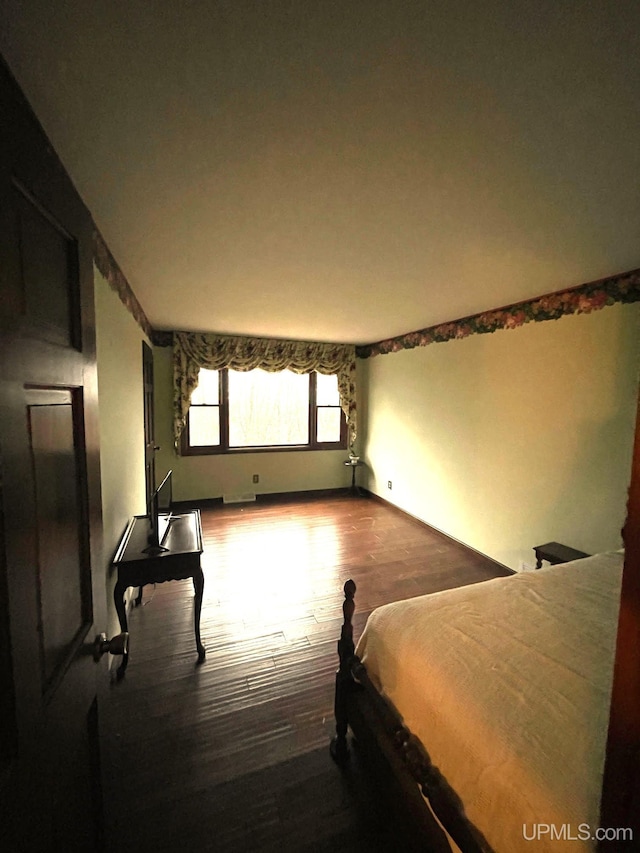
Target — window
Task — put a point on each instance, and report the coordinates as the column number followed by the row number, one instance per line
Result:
column 233, row 411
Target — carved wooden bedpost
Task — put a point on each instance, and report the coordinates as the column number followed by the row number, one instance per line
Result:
column 346, row 651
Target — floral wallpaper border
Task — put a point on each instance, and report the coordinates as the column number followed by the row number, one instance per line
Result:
column 583, row 299
column 109, row 268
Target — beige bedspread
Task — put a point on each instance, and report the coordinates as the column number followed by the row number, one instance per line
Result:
column 507, row 684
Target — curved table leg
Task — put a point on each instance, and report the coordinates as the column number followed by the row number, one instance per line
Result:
column 198, row 586
column 118, row 598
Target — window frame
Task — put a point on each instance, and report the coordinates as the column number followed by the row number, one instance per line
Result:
column 223, row 413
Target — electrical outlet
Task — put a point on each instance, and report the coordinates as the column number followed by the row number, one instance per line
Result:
column 526, row 567
column 389, row 485
column 256, row 478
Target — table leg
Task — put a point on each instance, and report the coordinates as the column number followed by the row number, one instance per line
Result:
column 198, row 586
column 121, row 610
column 354, row 486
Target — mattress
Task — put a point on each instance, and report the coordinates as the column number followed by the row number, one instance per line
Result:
column 507, row 684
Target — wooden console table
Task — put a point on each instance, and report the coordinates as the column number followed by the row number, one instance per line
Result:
column 138, row 566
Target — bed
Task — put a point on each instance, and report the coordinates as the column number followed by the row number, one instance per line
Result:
column 493, row 701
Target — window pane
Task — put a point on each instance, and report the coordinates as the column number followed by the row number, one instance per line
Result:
column 268, row 408
column 207, row 391
column 204, row 426
column 328, row 424
column 327, row 390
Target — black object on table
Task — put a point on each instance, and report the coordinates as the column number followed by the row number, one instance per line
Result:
column 555, row 553
column 139, row 564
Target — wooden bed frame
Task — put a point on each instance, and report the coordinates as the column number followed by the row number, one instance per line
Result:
column 377, row 726
column 389, row 744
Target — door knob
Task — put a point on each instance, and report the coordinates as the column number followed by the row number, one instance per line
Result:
column 117, row 645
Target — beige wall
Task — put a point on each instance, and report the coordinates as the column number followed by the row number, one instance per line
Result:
column 509, row 440
column 202, row 477
column 119, row 347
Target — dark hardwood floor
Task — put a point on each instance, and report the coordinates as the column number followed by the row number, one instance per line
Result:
column 233, row 755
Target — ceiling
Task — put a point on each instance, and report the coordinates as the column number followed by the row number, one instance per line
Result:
column 342, row 170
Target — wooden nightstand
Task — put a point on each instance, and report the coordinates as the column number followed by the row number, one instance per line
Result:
column 554, row 553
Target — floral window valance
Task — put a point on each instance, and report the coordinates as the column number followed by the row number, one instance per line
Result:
column 193, row 350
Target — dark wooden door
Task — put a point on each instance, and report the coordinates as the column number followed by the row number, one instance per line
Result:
column 52, row 581
column 620, row 806
column 149, row 429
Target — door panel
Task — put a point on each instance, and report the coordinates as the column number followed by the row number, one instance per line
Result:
column 64, row 583
column 48, row 271
column 52, row 570
column 149, row 428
